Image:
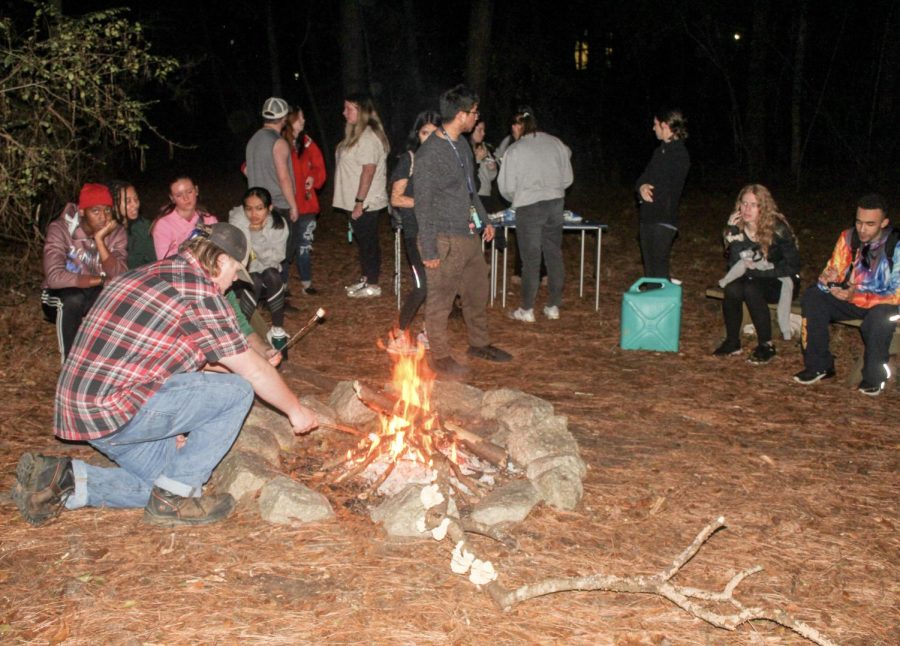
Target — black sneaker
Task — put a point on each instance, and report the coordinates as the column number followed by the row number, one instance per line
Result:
column 868, row 389
column 167, row 509
column 489, row 353
column 448, row 368
column 727, row 349
column 807, row 376
column 42, row 486
column 762, row 354
column 310, row 291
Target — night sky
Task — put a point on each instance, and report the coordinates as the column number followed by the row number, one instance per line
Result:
column 641, row 54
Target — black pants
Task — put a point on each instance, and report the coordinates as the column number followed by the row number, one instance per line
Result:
column 417, row 293
column 365, row 232
column 821, row 308
column 267, row 284
column 67, row 307
column 757, row 293
column 656, row 248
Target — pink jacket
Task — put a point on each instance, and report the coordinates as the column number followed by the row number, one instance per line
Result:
column 170, row 230
column 70, row 255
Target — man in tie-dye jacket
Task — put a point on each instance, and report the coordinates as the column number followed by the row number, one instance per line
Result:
column 860, row 281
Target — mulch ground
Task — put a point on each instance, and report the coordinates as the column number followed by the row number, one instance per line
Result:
column 806, row 478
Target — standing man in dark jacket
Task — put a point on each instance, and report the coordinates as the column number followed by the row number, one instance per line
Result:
column 451, row 217
column 659, row 188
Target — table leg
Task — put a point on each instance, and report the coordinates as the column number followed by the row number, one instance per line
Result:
column 597, row 269
column 503, row 282
column 581, row 269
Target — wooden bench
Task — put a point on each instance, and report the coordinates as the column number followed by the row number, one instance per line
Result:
column 856, row 374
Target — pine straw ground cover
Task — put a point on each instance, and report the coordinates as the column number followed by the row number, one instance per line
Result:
column 805, row 476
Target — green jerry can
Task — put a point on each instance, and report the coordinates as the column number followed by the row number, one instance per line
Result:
column 651, row 316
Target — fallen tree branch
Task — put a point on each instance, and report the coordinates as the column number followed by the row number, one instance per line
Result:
column 660, row 585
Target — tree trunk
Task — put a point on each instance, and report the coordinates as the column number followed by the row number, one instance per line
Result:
column 478, row 53
column 353, row 75
column 272, row 39
column 412, row 47
column 755, row 120
column 797, row 94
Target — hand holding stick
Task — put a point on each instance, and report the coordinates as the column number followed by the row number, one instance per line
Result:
column 310, row 324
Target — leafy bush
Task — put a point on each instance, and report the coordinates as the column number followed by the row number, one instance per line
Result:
column 69, row 101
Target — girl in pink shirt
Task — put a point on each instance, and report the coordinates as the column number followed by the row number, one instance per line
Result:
column 178, row 218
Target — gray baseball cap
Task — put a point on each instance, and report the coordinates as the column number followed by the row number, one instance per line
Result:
column 232, row 241
column 275, row 108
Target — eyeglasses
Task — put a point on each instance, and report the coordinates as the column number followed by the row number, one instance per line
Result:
column 475, row 112
column 750, row 205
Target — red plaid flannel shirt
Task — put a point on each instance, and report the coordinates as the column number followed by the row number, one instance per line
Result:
column 147, row 325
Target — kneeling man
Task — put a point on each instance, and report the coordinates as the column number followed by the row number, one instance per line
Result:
column 159, row 380
column 861, row 281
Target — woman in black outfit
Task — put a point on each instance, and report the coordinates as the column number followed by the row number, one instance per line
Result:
column 402, row 201
column 659, row 188
column 762, row 253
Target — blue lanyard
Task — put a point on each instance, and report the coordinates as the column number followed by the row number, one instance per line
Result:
column 461, row 165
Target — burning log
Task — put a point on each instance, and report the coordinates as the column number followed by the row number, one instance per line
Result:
column 477, row 445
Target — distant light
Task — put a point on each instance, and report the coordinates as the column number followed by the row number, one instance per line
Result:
column 231, row 42
column 737, row 35
column 296, row 76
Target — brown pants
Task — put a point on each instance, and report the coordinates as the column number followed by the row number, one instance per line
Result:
column 462, row 271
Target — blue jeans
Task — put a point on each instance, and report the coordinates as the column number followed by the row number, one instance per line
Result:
column 299, row 247
column 207, row 407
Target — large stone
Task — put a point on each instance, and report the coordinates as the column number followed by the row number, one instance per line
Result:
column 549, row 436
column 242, row 473
column 256, row 439
column 510, row 503
column 515, row 408
column 574, row 463
column 451, row 398
column 274, row 422
column 560, row 488
column 285, row 501
column 324, row 413
column 346, row 405
column 400, row 514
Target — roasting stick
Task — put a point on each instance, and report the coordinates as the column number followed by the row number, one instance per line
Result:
column 310, row 324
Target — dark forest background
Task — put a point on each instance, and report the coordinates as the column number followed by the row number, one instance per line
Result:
column 794, row 93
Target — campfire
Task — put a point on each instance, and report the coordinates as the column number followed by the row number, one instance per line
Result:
column 411, row 438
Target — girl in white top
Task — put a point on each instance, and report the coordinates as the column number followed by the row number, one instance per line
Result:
column 360, row 186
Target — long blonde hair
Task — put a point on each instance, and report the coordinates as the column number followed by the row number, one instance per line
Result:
column 769, row 216
column 368, row 118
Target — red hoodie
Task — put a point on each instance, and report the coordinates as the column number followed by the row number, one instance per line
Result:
column 307, row 162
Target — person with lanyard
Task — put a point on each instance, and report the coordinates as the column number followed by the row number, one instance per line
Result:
column 451, row 221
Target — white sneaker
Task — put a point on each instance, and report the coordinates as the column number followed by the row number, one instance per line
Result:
column 366, row 291
column 526, row 316
column 551, row 312
column 355, row 286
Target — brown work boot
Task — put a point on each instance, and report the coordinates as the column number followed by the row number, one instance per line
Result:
column 167, row 509
column 42, row 486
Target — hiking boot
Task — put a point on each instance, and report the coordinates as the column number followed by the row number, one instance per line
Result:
column 168, row 510
column 448, row 368
column 526, row 316
column 763, row 353
column 489, row 353
column 807, row 376
column 869, row 389
column 551, row 312
column 278, row 339
column 43, row 484
column 727, row 349
column 367, row 291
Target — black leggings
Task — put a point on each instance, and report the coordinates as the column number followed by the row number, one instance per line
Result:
column 417, row 293
column 757, row 293
column 656, row 248
column 266, row 284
